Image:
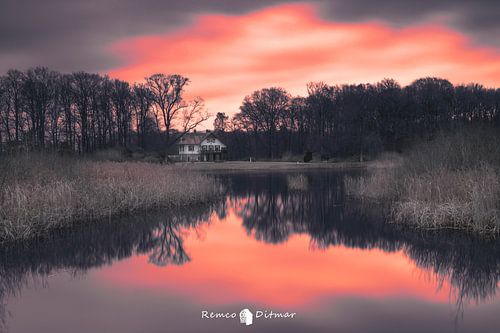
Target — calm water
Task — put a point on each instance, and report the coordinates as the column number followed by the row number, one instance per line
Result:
column 266, row 246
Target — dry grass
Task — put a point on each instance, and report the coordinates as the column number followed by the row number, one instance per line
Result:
column 372, row 186
column 451, row 182
column 468, row 199
column 126, row 155
column 298, row 182
column 110, row 154
column 40, row 193
column 238, row 166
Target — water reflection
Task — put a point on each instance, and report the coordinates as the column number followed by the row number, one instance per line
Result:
column 471, row 265
column 158, row 235
column 272, row 209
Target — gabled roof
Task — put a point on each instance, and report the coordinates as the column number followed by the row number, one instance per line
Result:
column 194, row 138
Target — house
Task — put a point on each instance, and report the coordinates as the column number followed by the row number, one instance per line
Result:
column 199, row 146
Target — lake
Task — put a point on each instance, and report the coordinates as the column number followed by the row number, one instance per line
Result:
column 278, row 243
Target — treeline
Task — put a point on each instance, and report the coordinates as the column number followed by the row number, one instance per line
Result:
column 353, row 120
column 82, row 112
column 41, row 109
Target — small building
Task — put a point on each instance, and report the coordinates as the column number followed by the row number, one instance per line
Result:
column 199, row 146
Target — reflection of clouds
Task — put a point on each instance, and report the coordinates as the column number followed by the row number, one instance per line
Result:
column 470, row 264
column 159, row 235
column 272, row 212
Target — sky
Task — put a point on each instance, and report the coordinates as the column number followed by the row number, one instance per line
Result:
column 230, row 48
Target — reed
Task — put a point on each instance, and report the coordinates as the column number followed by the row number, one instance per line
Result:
column 450, row 182
column 41, row 192
column 298, row 182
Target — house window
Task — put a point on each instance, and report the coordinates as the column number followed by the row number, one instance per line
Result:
column 191, row 148
column 204, row 148
column 181, row 148
column 217, row 148
column 211, row 147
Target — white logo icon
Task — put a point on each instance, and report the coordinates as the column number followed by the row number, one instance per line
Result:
column 246, row 317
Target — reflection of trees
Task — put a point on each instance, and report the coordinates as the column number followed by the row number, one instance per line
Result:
column 272, row 213
column 168, row 246
column 469, row 263
column 158, row 235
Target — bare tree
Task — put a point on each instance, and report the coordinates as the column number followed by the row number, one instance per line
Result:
column 264, row 109
column 83, row 87
column 122, row 100
column 167, row 93
column 39, row 91
column 12, row 84
column 221, row 122
column 193, row 114
column 84, row 112
column 143, row 99
column 3, row 111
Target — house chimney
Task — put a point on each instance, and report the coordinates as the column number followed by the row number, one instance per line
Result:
column 208, row 131
column 194, row 131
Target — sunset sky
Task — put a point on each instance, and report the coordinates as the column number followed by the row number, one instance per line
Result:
column 230, row 48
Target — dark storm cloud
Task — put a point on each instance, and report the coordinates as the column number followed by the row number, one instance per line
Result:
column 477, row 18
column 73, row 35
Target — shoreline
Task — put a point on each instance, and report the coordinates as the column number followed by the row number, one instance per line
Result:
column 232, row 166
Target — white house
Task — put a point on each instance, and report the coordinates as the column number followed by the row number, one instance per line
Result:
column 196, row 146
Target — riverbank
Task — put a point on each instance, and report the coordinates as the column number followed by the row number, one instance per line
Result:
column 267, row 166
column 44, row 192
column 452, row 182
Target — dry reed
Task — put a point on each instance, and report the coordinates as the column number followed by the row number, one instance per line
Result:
column 40, row 192
column 298, row 182
column 451, row 182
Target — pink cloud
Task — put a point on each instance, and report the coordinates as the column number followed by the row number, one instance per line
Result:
column 228, row 57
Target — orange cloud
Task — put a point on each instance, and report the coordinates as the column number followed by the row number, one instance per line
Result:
column 228, row 57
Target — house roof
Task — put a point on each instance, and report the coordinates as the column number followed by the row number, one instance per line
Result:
column 194, row 138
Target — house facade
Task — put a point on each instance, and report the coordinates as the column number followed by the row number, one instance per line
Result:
column 201, row 147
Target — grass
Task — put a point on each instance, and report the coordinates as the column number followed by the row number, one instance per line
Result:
column 298, row 182
column 127, row 155
column 267, row 166
column 44, row 192
column 465, row 199
column 450, row 182
column 372, row 187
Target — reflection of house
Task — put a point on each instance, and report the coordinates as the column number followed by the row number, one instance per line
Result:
column 198, row 146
